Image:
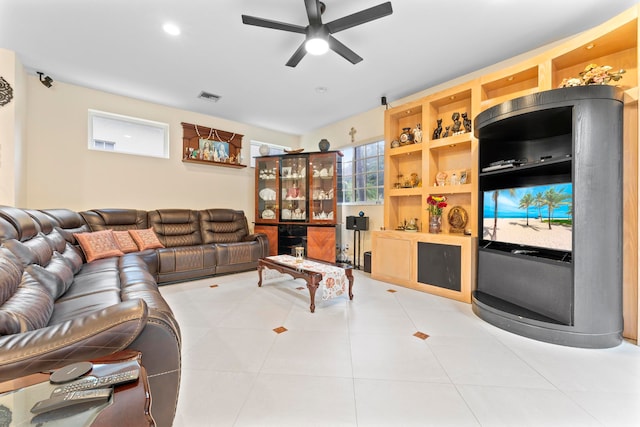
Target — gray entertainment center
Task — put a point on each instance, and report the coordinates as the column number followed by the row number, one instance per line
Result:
column 564, row 147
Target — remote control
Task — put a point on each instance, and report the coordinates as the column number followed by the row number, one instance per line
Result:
column 73, row 398
column 90, row 382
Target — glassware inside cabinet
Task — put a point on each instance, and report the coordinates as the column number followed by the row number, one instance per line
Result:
column 267, row 184
column 293, row 188
column 321, row 188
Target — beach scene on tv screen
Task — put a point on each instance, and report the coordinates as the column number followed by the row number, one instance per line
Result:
column 540, row 216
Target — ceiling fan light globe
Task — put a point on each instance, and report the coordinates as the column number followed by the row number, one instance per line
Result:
column 316, row 46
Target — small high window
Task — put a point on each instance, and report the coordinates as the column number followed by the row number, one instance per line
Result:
column 128, row 135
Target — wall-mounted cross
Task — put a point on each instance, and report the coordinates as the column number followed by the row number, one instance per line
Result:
column 352, row 133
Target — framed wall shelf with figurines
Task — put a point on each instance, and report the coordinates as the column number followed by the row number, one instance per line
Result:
column 205, row 145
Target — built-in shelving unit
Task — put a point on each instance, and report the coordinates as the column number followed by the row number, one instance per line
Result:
column 613, row 43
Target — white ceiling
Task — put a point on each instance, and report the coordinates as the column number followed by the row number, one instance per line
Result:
column 119, row 46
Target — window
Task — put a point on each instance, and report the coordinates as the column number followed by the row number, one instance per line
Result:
column 273, row 150
column 128, row 135
column 363, row 174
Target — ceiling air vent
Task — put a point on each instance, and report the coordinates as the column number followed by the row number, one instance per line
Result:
column 209, row 96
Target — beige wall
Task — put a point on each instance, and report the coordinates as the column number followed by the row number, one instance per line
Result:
column 62, row 172
column 12, row 125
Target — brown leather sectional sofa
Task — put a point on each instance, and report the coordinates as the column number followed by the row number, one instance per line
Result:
column 55, row 308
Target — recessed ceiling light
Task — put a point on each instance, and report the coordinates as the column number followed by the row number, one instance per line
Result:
column 321, row 89
column 171, row 29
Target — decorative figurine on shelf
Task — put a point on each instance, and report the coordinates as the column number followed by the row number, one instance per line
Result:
column 417, row 134
column 323, row 145
column 406, row 136
column 446, row 132
column 457, row 124
column 414, row 180
column 438, row 130
column 454, row 179
column 466, row 122
column 463, row 177
column 412, row 225
column 399, row 183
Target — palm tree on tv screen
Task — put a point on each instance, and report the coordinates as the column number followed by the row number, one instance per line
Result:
column 553, row 199
column 525, row 202
column 538, row 201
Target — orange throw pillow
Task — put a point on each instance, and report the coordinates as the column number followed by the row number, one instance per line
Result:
column 97, row 245
column 146, row 239
column 125, row 241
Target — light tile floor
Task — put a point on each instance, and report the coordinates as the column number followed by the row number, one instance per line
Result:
column 358, row 363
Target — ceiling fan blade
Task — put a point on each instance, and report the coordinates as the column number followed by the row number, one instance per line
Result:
column 313, row 12
column 276, row 25
column 361, row 17
column 343, row 51
column 297, row 56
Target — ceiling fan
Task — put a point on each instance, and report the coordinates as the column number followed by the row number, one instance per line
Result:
column 319, row 37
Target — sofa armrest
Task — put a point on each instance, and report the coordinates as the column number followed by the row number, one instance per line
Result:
column 262, row 239
column 84, row 338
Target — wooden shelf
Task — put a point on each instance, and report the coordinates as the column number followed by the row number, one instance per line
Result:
column 405, row 149
column 400, row 192
column 451, row 189
column 210, row 162
column 462, row 141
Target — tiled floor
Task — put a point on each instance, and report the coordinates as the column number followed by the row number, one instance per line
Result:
column 358, row 363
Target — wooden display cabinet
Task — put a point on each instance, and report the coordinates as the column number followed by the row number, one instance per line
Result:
column 267, row 188
column 323, row 188
column 296, row 202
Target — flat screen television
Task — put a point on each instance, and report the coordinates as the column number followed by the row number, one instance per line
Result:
column 537, row 216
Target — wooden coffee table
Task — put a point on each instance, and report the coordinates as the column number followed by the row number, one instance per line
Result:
column 313, row 278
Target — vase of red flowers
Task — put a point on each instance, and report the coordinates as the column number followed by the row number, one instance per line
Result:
column 435, row 204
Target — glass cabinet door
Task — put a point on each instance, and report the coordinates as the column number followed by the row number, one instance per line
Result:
column 322, row 185
column 293, row 188
column 267, row 189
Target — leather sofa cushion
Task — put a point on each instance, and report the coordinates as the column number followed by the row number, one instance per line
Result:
column 115, row 219
column 7, row 230
column 55, row 277
column 24, row 224
column 176, row 227
column 95, row 287
column 28, row 309
column 184, row 263
column 10, row 274
column 72, row 257
column 223, row 226
column 56, row 240
column 237, row 253
column 45, row 222
column 34, row 251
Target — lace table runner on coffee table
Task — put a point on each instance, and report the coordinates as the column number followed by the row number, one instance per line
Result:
column 334, row 281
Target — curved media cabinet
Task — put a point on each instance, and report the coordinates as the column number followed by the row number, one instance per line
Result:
column 554, row 276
